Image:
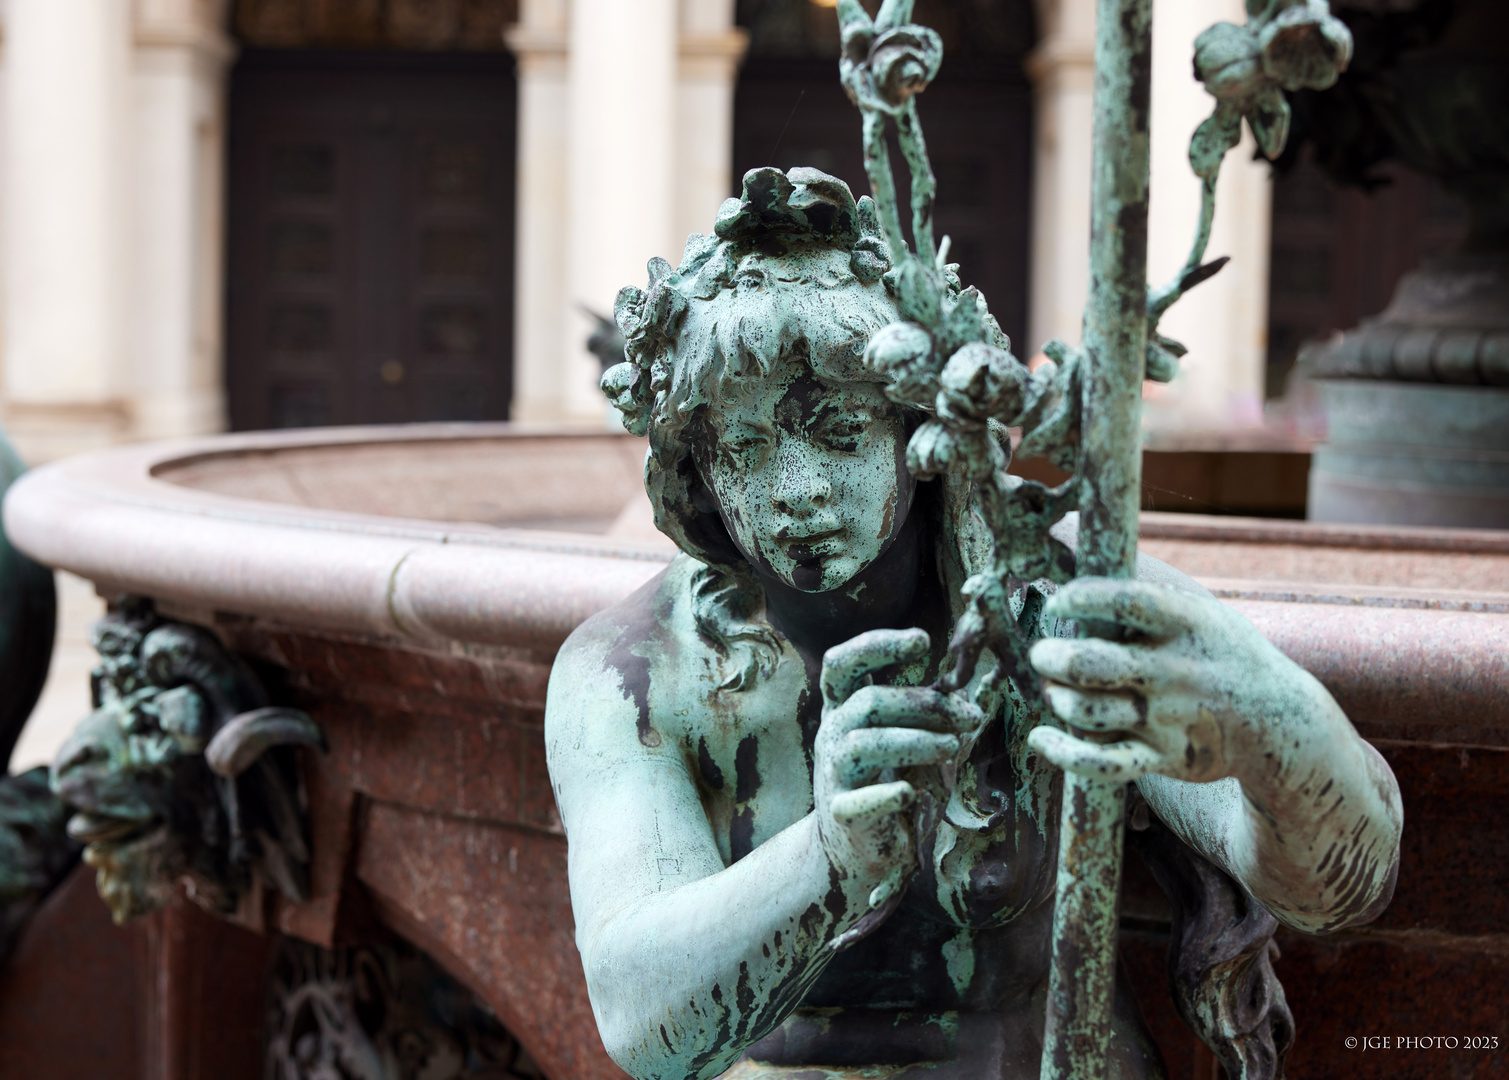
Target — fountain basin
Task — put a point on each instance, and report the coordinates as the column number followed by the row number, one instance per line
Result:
column 409, row 587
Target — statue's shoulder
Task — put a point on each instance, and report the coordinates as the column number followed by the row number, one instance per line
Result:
column 609, row 654
column 601, row 715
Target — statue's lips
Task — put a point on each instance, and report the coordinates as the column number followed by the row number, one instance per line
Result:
column 98, row 794
column 87, row 828
column 813, row 545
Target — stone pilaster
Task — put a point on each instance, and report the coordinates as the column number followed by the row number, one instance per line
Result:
column 625, row 139
column 539, row 41
column 176, row 347
column 1062, row 69
column 710, row 50
column 1224, row 321
column 66, row 154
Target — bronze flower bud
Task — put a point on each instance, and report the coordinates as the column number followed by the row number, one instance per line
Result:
column 936, row 449
column 628, row 309
column 981, row 382
column 903, row 353
column 1229, row 61
column 1305, row 47
column 903, row 61
column 870, row 259
column 622, row 384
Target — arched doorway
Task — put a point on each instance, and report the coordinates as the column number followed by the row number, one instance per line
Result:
column 789, row 110
column 371, row 213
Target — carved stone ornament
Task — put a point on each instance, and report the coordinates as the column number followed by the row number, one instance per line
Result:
column 180, row 772
column 382, row 1012
column 845, row 786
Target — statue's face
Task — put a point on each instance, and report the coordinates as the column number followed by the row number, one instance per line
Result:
column 811, row 479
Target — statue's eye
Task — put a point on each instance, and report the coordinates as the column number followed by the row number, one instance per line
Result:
column 747, row 442
column 842, row 432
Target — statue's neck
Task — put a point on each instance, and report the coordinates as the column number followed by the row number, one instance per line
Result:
column 890, row 593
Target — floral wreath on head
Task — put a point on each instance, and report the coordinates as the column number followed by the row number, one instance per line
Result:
column 802, row 205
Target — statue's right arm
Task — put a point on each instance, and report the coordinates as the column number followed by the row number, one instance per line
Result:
column 689, row 961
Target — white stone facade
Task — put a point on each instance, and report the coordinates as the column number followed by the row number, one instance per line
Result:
column 1225, row 321
column 112, row 142
column 111, row 146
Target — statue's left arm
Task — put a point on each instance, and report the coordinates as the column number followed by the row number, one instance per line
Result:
column 1243, row 753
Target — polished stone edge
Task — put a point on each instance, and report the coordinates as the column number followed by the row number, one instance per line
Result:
column 106, row 517
column 1170, row 526
column 1425, row 675
column 1310, row 592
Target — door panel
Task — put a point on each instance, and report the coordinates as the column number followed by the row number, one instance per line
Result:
column 371, row 238
column 979, row 136
column 790, row 110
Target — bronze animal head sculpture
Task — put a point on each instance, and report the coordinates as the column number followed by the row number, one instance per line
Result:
column 179, row 773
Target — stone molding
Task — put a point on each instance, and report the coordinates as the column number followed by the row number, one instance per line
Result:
column 107, row 517
column 711, row 56
column 1448, row 323
column 536, row 47
column 196, row 25
column 1054, row 55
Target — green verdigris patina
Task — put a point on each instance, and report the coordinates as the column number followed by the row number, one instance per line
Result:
column 35, row 852
column 182, row 773
column 808, row 773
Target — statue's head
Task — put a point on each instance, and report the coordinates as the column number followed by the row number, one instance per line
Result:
column 773, row 444
column 176, row 775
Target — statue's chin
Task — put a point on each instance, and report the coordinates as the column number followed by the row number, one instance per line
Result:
column 136, row 873
column 808, row 577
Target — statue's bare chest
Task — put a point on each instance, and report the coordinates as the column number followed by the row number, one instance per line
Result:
column 751, row 755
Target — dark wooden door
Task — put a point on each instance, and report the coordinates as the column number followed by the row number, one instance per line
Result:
column 789, row 110
column 370, row 241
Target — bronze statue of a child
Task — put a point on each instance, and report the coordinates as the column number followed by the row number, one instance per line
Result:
column 748, row 761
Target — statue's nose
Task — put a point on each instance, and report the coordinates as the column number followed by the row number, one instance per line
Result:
column 80, row 755
column 799, row 503
column 802, row 488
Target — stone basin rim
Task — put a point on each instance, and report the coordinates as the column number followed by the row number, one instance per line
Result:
column 111, row 517
column 140, row 474
column 114, row 517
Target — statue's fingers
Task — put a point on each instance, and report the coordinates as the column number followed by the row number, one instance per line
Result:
column 866, row 753
column 905, row 706
column 1123, row 761
column 1097, row 711
column 846, row 666
column 1141, row 606
column 868, row 803
column 1088, row 664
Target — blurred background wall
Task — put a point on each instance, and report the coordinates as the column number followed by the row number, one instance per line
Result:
column 240, row 214
column 271, row 213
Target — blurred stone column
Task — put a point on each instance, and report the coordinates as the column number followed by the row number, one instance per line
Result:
column 1062, row 69
column 711, row 48
column 177, row 259
column 539, row 41
column 625, row 141
column 1224, row 321
column 66, row 205
column 622, row 170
